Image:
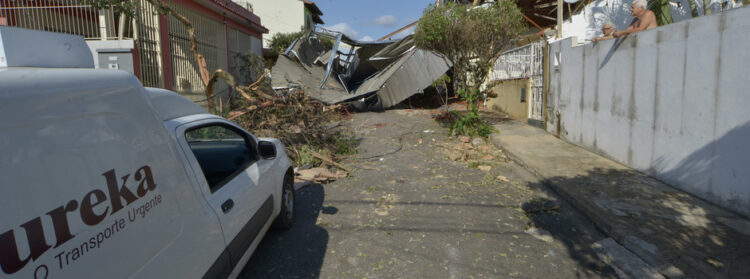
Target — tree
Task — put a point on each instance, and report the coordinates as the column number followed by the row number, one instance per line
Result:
column 662, row 11
column 281, row 41
column 472, row 38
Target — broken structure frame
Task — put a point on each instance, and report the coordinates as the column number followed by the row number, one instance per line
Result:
column 369, row 75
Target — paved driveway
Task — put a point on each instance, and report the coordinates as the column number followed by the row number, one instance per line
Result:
column 420, row 206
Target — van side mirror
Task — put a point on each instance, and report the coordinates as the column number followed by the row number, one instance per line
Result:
column 266, row 149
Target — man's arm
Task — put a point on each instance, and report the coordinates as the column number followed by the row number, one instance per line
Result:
column 619, row 33
column 602, row 38
column 648, row 19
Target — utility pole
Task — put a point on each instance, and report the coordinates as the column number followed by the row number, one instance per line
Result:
column 559, row 18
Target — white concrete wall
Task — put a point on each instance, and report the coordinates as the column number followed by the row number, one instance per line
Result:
column 587, row 24
column 672, row 102
column 279, row 16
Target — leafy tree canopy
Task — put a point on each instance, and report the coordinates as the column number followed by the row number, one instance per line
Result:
column 472, row 38
column 281, row 41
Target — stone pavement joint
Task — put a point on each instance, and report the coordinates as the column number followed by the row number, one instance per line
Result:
column 625, row 263
column 679, row 235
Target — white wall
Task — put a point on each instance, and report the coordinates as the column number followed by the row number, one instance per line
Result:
column 587, row 24
column 279, row 16
column 672, row 102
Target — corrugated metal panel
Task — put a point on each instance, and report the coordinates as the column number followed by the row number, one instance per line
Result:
column 411, row 74
column 402, row 71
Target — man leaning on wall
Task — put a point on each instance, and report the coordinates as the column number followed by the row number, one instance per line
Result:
column 644, row 19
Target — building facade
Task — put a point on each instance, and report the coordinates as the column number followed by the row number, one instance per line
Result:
column 156, row 46
column 285, row 16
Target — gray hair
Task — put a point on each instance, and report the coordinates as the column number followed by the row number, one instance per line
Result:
column 610, row 24
column 641, row 3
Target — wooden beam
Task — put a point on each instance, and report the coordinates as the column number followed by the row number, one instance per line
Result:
column 545, row 17
column 547, row 5
column 398, row 31
column 532, row 22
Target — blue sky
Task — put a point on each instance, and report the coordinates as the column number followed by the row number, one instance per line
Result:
column 370, row 20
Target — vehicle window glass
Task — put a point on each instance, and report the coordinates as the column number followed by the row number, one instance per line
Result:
column 222, row 152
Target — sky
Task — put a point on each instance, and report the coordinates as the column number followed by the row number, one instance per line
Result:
column 370, row 19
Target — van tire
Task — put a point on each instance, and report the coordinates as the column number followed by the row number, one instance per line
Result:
column 285, row 220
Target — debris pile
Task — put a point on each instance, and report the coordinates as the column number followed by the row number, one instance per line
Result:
column 319, row 175
column 308, row 128
column 478, row 153
column 363, row 75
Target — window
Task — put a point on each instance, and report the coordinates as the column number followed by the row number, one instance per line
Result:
column 222, row 152
column 523, row 94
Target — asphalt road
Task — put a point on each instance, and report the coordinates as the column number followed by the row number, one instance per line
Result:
column 422, row 204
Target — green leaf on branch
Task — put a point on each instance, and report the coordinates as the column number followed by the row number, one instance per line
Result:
column 471, row 38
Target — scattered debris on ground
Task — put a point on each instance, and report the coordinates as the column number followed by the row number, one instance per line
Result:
column 309, row 129
column 475, row 151
column 319, row 175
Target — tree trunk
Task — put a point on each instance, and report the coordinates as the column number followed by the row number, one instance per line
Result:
column 693, row 8
column 208, row 79
column 706, row 7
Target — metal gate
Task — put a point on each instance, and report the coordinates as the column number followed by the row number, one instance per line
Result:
column 75, row 17
column 536, row 81
column 212, row 43
column 524, row 62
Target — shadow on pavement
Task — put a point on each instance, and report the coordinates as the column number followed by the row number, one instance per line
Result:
column 558, row 218
column 679, row 235
column 298, row 252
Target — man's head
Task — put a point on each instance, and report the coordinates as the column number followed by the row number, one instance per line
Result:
column 638, row 8
column 608, row 28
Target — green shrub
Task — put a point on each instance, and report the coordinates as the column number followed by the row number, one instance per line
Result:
column 281, row 41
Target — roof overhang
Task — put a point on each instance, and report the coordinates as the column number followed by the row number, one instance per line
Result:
column 235, row 12
column 543, row 13
column 316, row 12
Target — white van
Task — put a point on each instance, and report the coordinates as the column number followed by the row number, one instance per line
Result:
column 102, row 178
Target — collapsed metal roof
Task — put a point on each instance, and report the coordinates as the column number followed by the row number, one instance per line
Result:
column 377, row 74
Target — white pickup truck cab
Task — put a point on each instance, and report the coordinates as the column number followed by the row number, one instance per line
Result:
column 102, row 178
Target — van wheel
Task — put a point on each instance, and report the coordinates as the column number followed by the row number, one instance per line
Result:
column 285, row 220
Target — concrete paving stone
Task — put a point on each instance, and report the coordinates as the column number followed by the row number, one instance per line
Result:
column 419, row 214
column 678, row 234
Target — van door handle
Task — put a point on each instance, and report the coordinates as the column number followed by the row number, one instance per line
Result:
column 227, row 205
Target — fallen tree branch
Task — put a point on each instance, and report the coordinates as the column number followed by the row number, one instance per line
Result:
column 237, row 113
column 326, row 159
column 163, row 7
column 200, row 59
column 229, row 79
